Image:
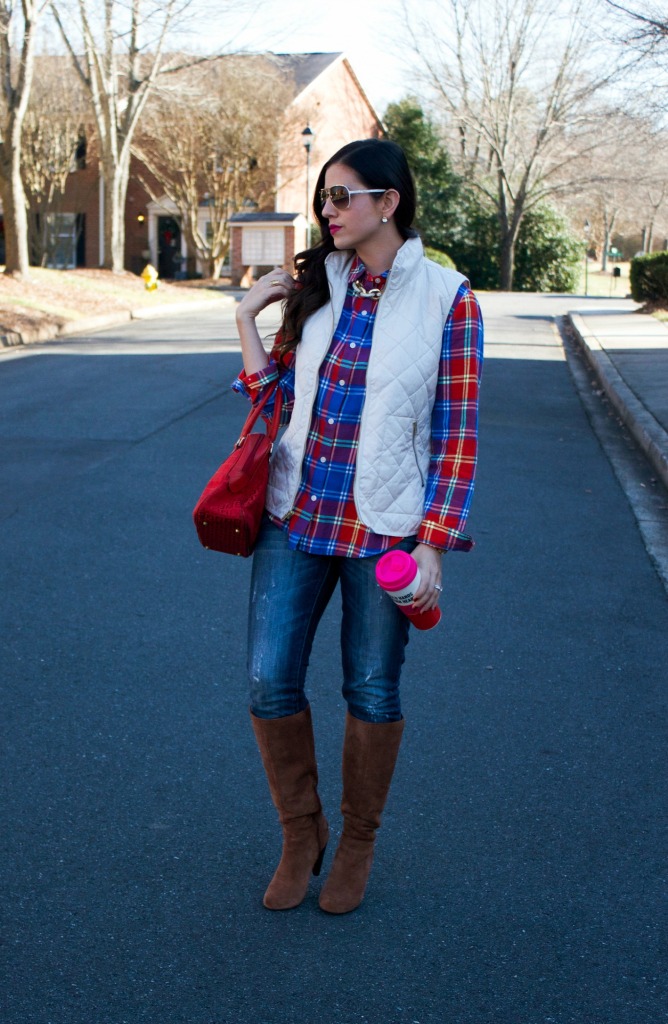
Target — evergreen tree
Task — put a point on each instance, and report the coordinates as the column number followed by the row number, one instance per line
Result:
column 548, row 256
column 439, row 208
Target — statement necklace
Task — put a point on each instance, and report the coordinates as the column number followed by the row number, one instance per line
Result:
column 362, row 293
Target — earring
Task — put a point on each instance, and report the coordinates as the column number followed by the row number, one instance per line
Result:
column 383, row 220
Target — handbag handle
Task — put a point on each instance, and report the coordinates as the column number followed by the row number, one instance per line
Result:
column 253, row 415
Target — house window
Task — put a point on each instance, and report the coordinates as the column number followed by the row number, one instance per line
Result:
column 262, row 247
column 79, row 161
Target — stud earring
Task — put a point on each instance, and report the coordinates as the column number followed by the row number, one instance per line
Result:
column 383, row 220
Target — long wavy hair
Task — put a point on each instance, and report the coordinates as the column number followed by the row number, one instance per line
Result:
column 378, row 163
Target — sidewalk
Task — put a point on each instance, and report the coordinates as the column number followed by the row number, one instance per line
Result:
column 629, row 355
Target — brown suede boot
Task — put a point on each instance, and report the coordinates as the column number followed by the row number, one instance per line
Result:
column 369, row 755
column 287, row 748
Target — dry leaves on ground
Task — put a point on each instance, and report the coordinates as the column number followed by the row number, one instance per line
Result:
column 52, row 298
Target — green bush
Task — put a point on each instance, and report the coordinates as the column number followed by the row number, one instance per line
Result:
column 474, row 245
column 649, row 278
column 548, row 256
column 439, row 257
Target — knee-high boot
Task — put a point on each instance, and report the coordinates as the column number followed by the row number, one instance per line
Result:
column 287, row 749
column 369, row 755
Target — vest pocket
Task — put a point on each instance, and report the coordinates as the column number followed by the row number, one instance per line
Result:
column 415, row 451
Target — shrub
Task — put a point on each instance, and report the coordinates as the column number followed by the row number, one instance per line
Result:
column 548, row 256
column 439, row 257
column 649, row 278
column 474, row 244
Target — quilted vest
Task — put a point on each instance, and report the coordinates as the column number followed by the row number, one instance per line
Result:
column 395, row 430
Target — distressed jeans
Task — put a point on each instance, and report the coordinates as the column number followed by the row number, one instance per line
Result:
column 289, row 593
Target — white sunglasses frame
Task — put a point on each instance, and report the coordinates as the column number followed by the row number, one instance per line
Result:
column 350, row 191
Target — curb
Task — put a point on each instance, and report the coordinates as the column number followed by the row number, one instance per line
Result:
column 643, row 427
column 176, row 308
column 14, row 339
column 94, row 323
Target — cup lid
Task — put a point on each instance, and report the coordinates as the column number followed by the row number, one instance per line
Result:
column 395, row 570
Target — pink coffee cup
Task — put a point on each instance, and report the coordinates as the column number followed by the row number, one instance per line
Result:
column 398, row 574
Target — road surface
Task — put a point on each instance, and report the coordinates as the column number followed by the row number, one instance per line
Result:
column 518, row 870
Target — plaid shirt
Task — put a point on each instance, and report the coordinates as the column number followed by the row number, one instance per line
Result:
column 324, row 519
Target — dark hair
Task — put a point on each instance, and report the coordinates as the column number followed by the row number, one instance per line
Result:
column 378, row 163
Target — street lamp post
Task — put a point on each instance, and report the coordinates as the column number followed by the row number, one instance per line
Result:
column 308, row 135
column 587, row 229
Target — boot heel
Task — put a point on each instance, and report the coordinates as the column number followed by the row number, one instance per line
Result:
column 317, row 867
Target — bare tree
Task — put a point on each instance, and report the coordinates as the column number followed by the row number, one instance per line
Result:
column 210, row 140
column 627, row 189
column 648, row 30
column 18, row 28
column 119, row 51
column 642, row 30
column 611, row 180
column 516, row 85
column 54, row 141
column 652, row 189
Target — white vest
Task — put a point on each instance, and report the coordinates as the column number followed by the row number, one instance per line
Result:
column 395, row 430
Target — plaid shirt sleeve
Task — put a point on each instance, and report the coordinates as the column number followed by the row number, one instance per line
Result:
column 454, row 428
column 254, row 384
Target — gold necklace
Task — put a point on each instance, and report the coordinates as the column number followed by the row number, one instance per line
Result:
column 362, row 293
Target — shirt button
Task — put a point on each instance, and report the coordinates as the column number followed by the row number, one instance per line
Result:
column 330, row 421
column 353, row 345
column 323, row 459
column 314, row 497
column 342, row 383
column 364, row 312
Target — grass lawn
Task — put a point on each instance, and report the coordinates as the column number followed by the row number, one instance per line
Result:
column 603, row 282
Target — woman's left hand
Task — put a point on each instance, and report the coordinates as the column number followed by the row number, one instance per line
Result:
column 429, row 591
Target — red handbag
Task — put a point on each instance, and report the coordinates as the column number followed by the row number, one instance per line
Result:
column 229, row 512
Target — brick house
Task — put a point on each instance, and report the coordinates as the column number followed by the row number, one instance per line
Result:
column 328, row 99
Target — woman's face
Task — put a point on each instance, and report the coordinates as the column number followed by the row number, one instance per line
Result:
column 361, row 222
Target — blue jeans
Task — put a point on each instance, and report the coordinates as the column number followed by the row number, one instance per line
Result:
column 289, row 593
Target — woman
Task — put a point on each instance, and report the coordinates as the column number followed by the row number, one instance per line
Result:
column 378, row 359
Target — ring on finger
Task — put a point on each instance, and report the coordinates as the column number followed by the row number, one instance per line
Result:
column 437, row 586
column 274, row 283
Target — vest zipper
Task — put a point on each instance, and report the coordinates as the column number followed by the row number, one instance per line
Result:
column 317, row 385
column 415, row 454
column 365, row 403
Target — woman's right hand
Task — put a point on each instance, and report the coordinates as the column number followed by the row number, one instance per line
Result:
column 273, row 287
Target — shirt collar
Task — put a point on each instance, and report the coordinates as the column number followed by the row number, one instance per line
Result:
column 359, row 272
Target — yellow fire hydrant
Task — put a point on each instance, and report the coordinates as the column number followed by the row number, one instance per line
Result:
column 150, row 277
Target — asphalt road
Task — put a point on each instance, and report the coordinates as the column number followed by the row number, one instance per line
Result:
column 518, row 873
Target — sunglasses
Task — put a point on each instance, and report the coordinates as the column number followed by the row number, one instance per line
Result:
column 339, row 195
